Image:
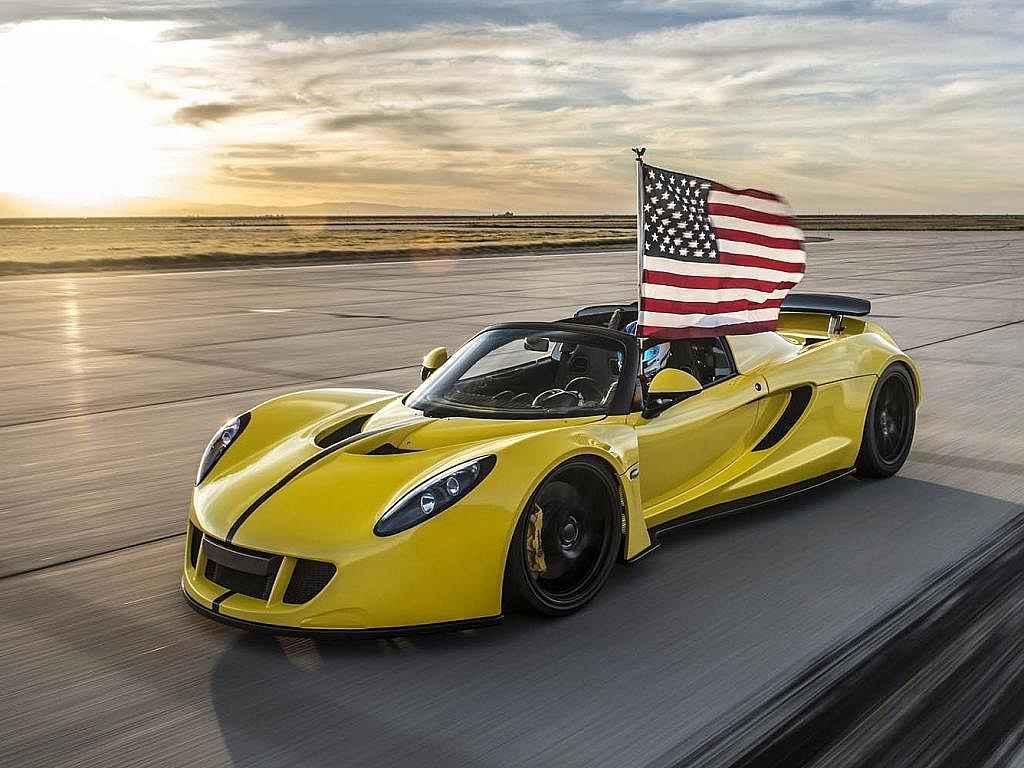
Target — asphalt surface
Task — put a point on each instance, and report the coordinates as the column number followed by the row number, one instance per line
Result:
column 110, row 385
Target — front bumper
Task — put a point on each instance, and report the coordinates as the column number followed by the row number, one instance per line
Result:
column 402, row 584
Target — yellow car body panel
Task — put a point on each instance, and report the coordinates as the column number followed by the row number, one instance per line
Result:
column 825, row 444
column 279, row 492
column 447, row 569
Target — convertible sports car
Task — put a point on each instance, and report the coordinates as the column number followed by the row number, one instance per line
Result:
column 523, row 468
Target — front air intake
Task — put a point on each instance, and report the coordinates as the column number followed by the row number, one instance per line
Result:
column 239, row 581
column 241, row 570
column 308, row 579
column 195, row 538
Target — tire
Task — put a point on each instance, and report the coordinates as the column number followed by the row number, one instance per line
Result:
column 566, row 542
column 889, row 425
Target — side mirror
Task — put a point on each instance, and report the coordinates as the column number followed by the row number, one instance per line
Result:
column 668, row 387
column 433, row 360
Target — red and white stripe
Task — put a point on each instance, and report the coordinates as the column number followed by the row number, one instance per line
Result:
column 761, row 257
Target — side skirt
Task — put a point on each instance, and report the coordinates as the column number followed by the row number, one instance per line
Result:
column 734, row 507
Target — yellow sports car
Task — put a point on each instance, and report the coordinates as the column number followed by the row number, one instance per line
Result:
column 530, row 462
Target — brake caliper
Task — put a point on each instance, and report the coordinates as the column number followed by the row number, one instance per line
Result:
column 534, row 547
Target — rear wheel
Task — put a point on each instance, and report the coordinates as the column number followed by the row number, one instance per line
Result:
column 890, row 423
column 566, row 541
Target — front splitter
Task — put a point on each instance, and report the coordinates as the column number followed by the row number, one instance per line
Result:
column 273, row 629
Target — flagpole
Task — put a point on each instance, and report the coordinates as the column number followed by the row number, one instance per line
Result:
column 639, row 232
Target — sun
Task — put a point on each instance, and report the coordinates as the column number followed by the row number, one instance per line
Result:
column 80, row 128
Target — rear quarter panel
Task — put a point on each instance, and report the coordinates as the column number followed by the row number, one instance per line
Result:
column 842, row 372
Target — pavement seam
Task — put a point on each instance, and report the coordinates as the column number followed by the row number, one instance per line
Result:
column 90, row 556
column 963, row 335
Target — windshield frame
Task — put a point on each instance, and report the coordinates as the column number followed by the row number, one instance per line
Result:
column 620, row 403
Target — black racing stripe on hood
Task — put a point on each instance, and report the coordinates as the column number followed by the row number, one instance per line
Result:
column 292, row 474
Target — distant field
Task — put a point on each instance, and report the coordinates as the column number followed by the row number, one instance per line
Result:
column 80, row 244
column 912, row 223
column 46, row 245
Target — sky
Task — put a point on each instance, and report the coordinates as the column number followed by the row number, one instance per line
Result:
column 845, row 106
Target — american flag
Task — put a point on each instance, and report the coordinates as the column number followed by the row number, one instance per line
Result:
column 714, row 260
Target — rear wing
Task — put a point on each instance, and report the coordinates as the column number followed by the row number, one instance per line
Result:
column 837, row 307
column 830, row 304
column 826, row 304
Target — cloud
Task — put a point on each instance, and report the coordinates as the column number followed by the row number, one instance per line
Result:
column 198, row 114
column 419, row 121
column 876, row 105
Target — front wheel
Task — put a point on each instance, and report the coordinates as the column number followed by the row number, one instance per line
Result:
column 889, row 426
column 566, row 542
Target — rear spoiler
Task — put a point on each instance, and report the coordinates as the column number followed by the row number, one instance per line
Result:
column 812, row 303
column 830, row 304
column 826, row 304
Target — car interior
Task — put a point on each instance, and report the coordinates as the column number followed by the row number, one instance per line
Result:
column 562, row 376
column 708, row 360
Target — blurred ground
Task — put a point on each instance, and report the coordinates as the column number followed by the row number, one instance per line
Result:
column 111, row 384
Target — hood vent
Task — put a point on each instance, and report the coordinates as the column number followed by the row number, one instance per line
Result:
column 387, row 449
column 344, row 432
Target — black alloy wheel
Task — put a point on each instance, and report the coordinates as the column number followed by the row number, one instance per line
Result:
column 889, row 427
column 566, row 541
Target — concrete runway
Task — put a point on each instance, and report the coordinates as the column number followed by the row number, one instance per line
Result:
column 111, row 384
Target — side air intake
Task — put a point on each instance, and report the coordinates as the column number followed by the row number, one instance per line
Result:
column 798, row 400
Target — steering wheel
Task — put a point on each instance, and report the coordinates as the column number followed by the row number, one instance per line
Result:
column 549, row 394
column 519, row 401
column 587, row 388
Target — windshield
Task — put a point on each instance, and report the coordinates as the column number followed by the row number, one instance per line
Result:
column 525, row 373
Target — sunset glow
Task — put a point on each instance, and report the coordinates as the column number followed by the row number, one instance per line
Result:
column 82, row 129
column 484, row 109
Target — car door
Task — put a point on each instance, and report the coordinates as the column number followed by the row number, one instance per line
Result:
column 695, row 439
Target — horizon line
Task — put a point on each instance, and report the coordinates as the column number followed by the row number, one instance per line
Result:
column 470, row 216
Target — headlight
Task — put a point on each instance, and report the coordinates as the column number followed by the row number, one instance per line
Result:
column 223, row 440
column 434, row 496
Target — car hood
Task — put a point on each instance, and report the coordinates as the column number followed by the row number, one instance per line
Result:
column 298, row 497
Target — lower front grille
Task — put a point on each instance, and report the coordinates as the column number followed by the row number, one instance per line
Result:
column 239, row 581
column 308, row 579
column 250, row 572
column 240, row 570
